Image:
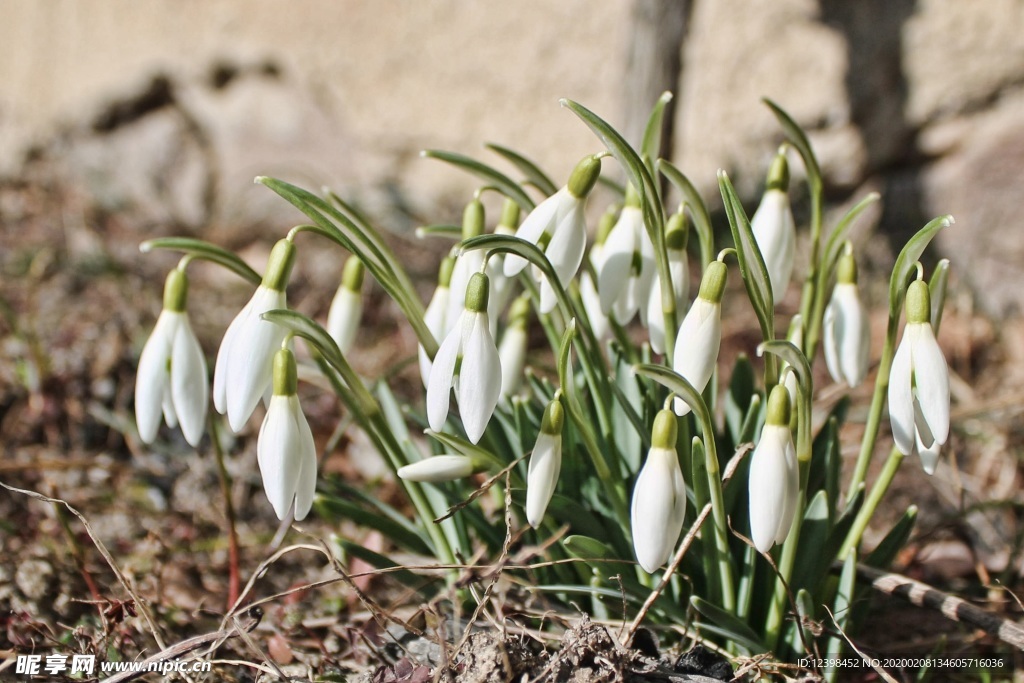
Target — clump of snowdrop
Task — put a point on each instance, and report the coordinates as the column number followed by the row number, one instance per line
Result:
column 774, row 483
column 774, row 228
column 347, row 306
column 659, row 497
column 172, row 381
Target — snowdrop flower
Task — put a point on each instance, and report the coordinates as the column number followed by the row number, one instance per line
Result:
column 774, row 229
column 847, row 333
column 589, row 296
column 558, row 229
column 467, row 361
column 659, row 497
column 501, row 287
column 627, row 267
column 700, row 335
column 545, row 463
column 285, row 449
column 468, row 262
column 774, row 484
column 172, row 379
column 512, row 349
column 436, row 315
column 676, row 233
column 919, row 384
column 795, row 336
column 347, row 306
column 245, row 358
column 438, row 469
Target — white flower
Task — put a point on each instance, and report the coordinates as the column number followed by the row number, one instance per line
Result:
column 592, row 305
column 285, row 449
column 436, row 315
column 347, row 306
column 172, row 379
column 478, row 378
column 919, row 383
column 624, row 280
column 655, row 318
column 545, row 464
column 700, row 335
column 774, row 229
column 437, row 469
column 557, row 227
column 847, row 335
column 245, row 358
column 659, row 498
column 512, row 349
column 774, row 483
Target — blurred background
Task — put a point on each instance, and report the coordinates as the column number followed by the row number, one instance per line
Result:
column 123, row 120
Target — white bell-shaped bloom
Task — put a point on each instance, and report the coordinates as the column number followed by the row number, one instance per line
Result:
column 557, row 226
column 245, row 358
column 436, row 315
column 679, row 272
column 627, row 267
column 919, row 383
column 512, row 349
column 172, row 379
column 285, row 449
column 469, row 262
column 659, row 498
column 847, row 329
column 477, row 378
column 347, row 306
column 592, row 305
column 545, row 464
column 774, row 228
column 774, row 483
column 700, row 335
column 438, row 469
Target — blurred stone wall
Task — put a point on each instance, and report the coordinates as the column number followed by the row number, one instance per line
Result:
column 170, row 107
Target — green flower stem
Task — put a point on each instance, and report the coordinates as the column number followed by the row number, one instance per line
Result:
column 867, row 445
column 814, row 288
column 777, row 612
column 878, row 491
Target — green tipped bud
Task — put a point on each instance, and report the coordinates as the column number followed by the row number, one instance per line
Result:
column 477, row 293
column 473, row 219
column 632, row 196
column 554, row 418
column 778, row 174
column 712, row 285
column 584, row 176
column 846, row 270
column 444, row 273
column 677, row 231
column 352, row 275
column 286, row 374
column 519, row 312
column 279, row 266
column 605, row 225
column 919, row 305
column 665, row 431
column 175, row 291
column 509, row 214
column 778, row 411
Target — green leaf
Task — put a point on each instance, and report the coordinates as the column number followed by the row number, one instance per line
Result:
column 528, row 168
column 741, row 390
column 752, row 268
column 804, row 617
column 491, row 175
column 910, row 255
column 811, row 563
column 463, row 447
column 650, row 148
column 799, row 140
column 788, row 352
column 885, row 552
column 336, row 509
column 698, row 209
column 630, row 433
column 834, row 245
column 379, row 561
column 727, row 625
column 937, row 289
column 199, row 249
column 841, row 610
column 678, row 384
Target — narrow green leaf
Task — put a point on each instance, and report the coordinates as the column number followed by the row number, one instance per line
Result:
column 698, row 209
column 738, row 396
column 752, row 268
column 937, row 289
column 463, row 447
column 379, row 561
column 509, row 187
column 799, row 140
column 801, row 636
column 841, row 611
column 528, row 168
column 650, row 148
column 727, row 625
column 910, row 255
column 678, row 384
column 200, row 249
column 885, row 552
column 811, row 564
column 335, row 509
column 835, row 240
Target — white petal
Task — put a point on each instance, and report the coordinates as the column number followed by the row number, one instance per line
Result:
column 569, row 241
column 152, row 379
column 224, row 353
column 792, row 491
column 616, row 260
column 190, row 384
column 768, row 487
column 344, row 316
column 931, row 376
column 654, row 515
column 252, row 357
column 697, row 346
column 901, row 396
column 305, row 452
column 479, row 379
column 439, row 385
column 592, row 305
column 929, row 455
column 170, row 416
column 539, row 221
column 656, row 318
column 775, row 234
column 435, row 318
column 542, row 477
column 276, row 450
column 548, row 298
column 830, row 341
column 512, row 353
column 437, row 469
